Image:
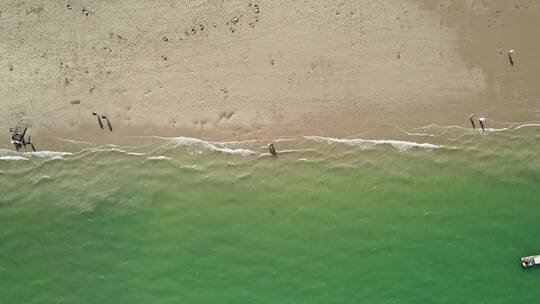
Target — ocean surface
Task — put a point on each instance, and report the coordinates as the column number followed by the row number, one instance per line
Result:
column 428, row 215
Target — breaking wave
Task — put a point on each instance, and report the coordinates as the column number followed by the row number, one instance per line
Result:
column 189, row 141
column 48, row 154
column 13, row 158
column 367, row 143
column 160, row 157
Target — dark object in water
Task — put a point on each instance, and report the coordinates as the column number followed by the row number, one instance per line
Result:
column 98, row 119
column 272, row 150
column 108, row 122
column 529, row 261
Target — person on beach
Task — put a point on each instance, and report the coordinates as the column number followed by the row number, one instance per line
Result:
column 272, row 150
column 108, row 122
column 13, row 140
column 471, row 118
column 482, row 120
column 98, row 119
column 17, row 139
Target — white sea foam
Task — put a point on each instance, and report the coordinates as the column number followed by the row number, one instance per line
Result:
column 367, row 143
column 238, row 142
column 293, row 150
column 529, row 125
column 189, row 141
column 116, row 150
column 14, row 158
column 158, row 157
column 48, row 154
column 417, row 134
column 494, row 130
column 135, row 153
column 72, row 141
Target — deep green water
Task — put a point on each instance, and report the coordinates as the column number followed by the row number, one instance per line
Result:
column 326, row 222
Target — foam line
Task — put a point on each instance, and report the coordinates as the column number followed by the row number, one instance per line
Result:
column 189, row 141
column 366, row 143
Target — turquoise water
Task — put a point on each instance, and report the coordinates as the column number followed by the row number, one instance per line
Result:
column 181, row 220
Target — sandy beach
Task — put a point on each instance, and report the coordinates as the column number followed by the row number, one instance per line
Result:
column 263, row 69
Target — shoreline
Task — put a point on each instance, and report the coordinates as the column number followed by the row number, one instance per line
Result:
column 93, row 136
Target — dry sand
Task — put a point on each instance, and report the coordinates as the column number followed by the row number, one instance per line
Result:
column 262, row 69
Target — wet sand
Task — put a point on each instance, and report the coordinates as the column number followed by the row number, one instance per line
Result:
column 263, row 69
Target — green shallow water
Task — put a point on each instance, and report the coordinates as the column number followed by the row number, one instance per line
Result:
column 329, row 223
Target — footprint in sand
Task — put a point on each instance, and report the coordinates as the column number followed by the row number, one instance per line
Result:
column 225, row 115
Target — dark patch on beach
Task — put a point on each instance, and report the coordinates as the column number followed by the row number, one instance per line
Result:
column 35, row 10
